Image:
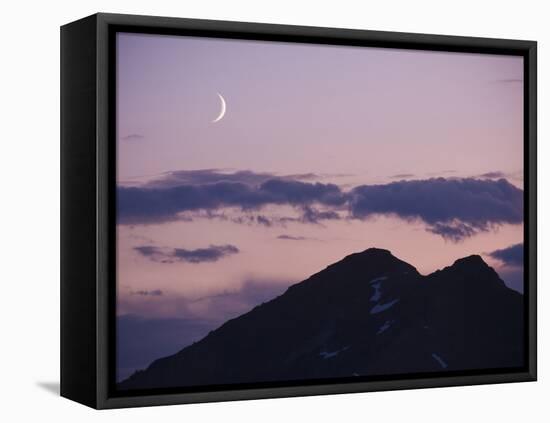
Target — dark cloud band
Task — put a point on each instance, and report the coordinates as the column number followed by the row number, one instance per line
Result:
column 199, row 255
column 143, row 205
column 452, row 208
column 510, row 256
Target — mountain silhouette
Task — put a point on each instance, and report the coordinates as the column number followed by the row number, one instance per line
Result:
column 368, row 314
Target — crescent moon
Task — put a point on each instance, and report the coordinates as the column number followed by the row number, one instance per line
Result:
column 222, row 111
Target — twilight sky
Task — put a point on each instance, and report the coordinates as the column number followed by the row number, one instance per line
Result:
column 323, row 151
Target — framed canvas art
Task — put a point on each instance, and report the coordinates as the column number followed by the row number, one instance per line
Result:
column 255, row 211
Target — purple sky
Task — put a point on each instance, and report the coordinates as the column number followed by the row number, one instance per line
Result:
column 338, row 144
column 389, row 111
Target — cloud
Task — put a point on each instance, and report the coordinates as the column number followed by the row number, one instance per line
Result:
column 262, row 220
column 208, row 176
column 303, row 176
column 217, row 306
column 302, row 193
column 154, row 205
column 441, row 172
column 250, row 294
column 510, row 256
column 453, row 208
column 132, row 137
column 292, row 238
column 402, row 176
column 200, row 255
column 455, row 231
column 147, row 330
column 493, row 175
column 307, row 215
column 311, row 215
column 315, row 176
column 144, row 293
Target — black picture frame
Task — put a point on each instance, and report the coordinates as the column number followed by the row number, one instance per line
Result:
column 88, row 293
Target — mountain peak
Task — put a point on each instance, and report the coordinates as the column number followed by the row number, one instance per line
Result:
column 473, row 260
column 472, row 269
column 376, row 251
column 376, row 259
column 373, row 253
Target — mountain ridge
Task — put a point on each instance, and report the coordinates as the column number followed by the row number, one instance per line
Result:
column 358, row 316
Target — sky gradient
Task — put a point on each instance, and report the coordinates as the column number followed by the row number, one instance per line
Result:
column 323, row 151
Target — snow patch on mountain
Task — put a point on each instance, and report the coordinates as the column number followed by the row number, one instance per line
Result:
column 378, row 279
column 378, row 308
column 440, row 361
column 387, row 324
column 377, row 292
column 331, row 354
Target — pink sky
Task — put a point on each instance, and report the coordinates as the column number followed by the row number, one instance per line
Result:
column 352, row 116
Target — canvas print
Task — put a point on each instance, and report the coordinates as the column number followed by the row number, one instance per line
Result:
column 293, row 212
